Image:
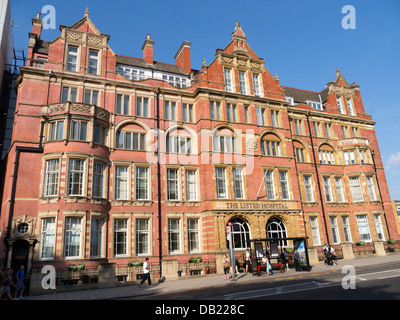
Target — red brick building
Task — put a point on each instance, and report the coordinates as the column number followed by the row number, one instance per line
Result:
column 90, row 180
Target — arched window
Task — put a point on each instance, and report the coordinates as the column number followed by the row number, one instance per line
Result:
column 179, row 141
column 326, row 154
column 224, row 140
column 131, row 137
column 240, row 233
column 271, row 145
column 299, row 151
column 276, row 229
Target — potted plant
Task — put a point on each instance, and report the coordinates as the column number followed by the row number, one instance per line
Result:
column 195, row 260
column 79, row 267
column 135, row 264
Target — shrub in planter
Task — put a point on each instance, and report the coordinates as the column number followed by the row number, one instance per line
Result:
column 73, row 267
column 360, row 243
column 195, row 260
column 391, row 241
column 135, row 263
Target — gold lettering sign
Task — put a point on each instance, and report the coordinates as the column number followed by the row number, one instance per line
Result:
column 255, row 205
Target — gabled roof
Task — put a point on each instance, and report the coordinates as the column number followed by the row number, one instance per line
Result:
column 301, row 96
column 138, row 62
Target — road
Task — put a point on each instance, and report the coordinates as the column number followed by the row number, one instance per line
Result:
column 364, row 283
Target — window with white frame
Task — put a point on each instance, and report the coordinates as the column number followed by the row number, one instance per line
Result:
column 193, row 235
column 346, row 229
column 270, row 145
column 260, row 112
column 91, row 97
column 269, row 184
column 231, row 112
column 47, row 238
column 98, row 180
column 371, row 188
column 191, row 185
column 242, row 82
column 224, row 140
column 121, row 183
column 122, row 104
column 355, row 188
column 334, row 229
column 240, row 234
column 326, row 156
column 284, row 183
column 256, row 84
column 298, row 126
column 96, row 235
column 349, row 157
column 72, row 58
column 363, row 228
column 315, row 231
column 69, row 94
column 275, row 122
column 142, row 107
column 228, row 80
column 379, row 227
column 170, row 110
column 142, row 236
column 76, row 177
column 142, row 183
column 99, row 134
column 350, row 106
column 308, row 188
column 72, row 237
column 120, row 237
column 51, row 178
column 187, row 112
column 93, row 62
column 237, row 174
column 340, row 104
column 78, row 130
column 130, row 140
column 339, row 189
column 174, row 236
column 173, row 184
column 178, row 144
column 215, row 110
column 299, row 153
column 131, row 73
column 56, row 130
column 220, row 178
column 327, row 189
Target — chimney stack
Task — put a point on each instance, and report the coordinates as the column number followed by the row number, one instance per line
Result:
column 148, row 50
column 37, row 25
column 182, row 57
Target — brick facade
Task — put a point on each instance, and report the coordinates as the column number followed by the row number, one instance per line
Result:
column 234, row 145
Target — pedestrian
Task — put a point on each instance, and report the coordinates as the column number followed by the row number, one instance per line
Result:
column 20, row 283
column 333, row 256
column 7, row 283
column 296, row 258
column 146, row 273
column 268, row 268
column 227, row 266
column 284, row 259
column 247, row 261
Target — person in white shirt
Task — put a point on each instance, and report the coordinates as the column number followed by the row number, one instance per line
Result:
column 146, row 273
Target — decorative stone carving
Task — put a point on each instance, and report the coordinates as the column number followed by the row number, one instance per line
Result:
column 74, row 36
column 57, row 108
column 81, row 108
column 23, row 226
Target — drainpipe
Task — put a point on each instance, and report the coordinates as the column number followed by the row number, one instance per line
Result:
column 319, row 185
column 380, row 194
column 159, row 182
column 18, row 151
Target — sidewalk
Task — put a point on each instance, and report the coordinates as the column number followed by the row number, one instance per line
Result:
column 201, row 282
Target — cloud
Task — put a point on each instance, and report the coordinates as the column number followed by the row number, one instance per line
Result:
column 394, row 161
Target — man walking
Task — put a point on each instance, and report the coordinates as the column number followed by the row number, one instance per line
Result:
column 20, row 283
column 146, row 273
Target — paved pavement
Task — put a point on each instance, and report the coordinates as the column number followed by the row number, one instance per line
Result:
column 201, row 282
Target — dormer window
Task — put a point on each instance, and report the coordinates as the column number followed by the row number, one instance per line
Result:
column 72, row 58
column 290, row 100
column 242, row 82
column 315, row 105
column 228, row 80
column 256, row 85
column 93, row 62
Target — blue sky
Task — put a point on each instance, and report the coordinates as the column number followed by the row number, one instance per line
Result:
column 302, row 41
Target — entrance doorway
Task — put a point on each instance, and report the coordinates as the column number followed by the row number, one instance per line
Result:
column 20, row 255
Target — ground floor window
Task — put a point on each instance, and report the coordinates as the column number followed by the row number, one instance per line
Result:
column 363, row 228
column 240, row 233
column 277, row 229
